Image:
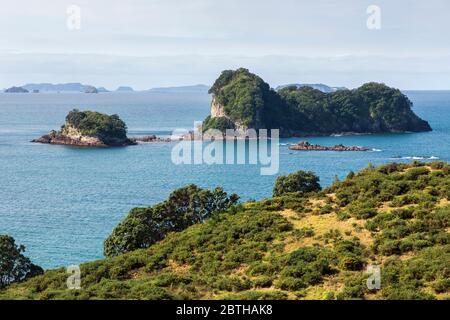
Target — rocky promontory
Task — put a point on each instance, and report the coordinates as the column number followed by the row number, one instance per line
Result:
column 306, row 146
column 89, row 129
column 242, row 100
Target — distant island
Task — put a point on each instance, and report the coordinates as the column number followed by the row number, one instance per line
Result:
column 61, row 87
column 16, row 90
column 242, row 100
column 318, row 86
column 89, row 129
column 90, row 89
column 124, row 89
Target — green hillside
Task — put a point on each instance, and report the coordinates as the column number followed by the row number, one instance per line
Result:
column 299, row 245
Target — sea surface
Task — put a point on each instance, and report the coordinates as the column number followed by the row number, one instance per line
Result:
column 62, row 202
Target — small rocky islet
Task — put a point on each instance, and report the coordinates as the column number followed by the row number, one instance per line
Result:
column 306, row 146
column 94, row 129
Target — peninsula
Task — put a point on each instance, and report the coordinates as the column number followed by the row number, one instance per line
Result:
column 89, row 129
column 242, row 100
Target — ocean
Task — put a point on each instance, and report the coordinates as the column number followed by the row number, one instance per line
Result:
column 62, row 202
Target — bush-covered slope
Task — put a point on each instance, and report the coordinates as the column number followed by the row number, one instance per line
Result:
column 297, row 246
column 243, row 100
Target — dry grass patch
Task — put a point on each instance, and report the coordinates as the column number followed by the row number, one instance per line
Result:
column 321, row 224
column 178, row 268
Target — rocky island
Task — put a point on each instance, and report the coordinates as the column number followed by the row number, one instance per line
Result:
column 306, row 146
column 89, row 129
column 16, row 90
column 242, row 100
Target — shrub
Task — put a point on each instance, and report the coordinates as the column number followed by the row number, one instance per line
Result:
column 300, row 181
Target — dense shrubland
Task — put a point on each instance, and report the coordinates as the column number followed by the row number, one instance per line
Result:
column 314, row 245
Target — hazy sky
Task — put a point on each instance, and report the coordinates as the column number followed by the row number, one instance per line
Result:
column 150, row 43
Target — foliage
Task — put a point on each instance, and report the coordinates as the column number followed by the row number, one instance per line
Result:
column 95, row 124
column 184, row 207
column 300, row 181
column 14, row 266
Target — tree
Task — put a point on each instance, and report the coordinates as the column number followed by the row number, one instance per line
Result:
column 14, row 266
column 184, row 207
column 300, row 181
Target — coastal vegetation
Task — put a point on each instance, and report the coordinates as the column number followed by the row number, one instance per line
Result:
column 243, row 100
column 315, row 244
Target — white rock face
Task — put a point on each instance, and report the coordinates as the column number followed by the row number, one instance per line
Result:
column 74, row 134
column 217, row 109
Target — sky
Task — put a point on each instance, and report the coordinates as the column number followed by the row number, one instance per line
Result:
column 154, row 43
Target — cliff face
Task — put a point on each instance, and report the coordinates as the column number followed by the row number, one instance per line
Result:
column 72, row 133
column 218, row 114
column 217, row 110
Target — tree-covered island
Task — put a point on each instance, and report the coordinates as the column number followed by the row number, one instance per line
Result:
column 242, row 100
column 89, row 129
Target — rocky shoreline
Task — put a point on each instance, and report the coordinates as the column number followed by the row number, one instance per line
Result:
column 306, row 146
column 81, row 141
column 85, row 141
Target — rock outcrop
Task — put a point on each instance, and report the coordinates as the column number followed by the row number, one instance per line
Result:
column 152, row 138
column 306, row 146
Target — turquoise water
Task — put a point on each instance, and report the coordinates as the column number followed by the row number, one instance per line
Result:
column 62, row 202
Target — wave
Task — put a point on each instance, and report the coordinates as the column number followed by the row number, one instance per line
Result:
column 286, row 144
column 376, row 150
column 416, row 158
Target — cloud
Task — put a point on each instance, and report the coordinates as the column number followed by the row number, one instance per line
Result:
column 168, row 41
column 152, row 71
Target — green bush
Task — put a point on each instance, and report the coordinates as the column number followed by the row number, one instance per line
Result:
column 300, row 181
